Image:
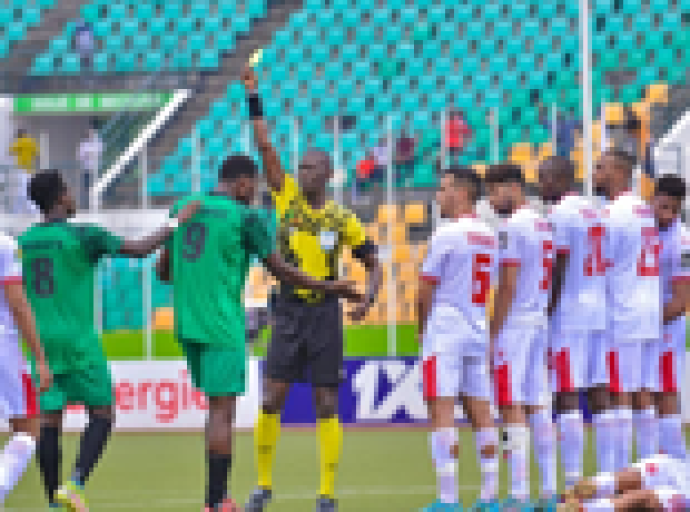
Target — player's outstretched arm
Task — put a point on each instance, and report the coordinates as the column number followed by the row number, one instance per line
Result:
column 557, row 279
column 374, row 279
column 147, row 245
column 291, row 275
column 275, row 174
column 680, row 300
column 24, row 317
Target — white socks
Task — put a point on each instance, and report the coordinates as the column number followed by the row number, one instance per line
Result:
column 598, row 506
column 442, row 443
column 544, row 441
column 671, row 439
column 572, row 442
column 606, row 485
column 14, row 459
column 489, row 465
column 605, row 434
column 624, row 438
column 647, row 433
column 518, row 460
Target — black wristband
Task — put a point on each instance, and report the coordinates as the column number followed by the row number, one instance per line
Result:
column 256, row 110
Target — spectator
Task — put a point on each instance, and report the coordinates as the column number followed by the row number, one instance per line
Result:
column 84, row 45
column 650, row 159
column 89, row 157
column 404, row 156
column 368, row 171
column 456, row 134
column 26, row 150
column 380, row 153
column 566, row 129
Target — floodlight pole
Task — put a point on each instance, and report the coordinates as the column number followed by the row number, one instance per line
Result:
column 586, row 75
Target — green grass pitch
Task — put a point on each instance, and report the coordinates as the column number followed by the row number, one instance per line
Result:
column 385, row 470
column 364, row 341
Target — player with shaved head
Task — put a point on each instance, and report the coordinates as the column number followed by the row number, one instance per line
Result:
column 307, row 338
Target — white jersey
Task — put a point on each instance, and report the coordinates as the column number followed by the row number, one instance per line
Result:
column 675, row 257
column 462, row 261
column 579, row 232
column 633, row 285
column 10, row 272
column 525, row 240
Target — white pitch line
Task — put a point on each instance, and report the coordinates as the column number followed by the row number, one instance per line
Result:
column 163, row 503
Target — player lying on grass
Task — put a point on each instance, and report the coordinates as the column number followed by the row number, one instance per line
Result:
column 207, row 261
column 451, row 305
column 59, row 260
column 307, row 338
column 659, row 483
column 17, row 393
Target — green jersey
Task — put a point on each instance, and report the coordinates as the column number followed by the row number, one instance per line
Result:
column 59, row 261
column 210, row 259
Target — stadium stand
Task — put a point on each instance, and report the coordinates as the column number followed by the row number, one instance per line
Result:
column 150, row 35
column 16, row 18
column 356, row 58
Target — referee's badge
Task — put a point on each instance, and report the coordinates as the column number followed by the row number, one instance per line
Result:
column 329, row 239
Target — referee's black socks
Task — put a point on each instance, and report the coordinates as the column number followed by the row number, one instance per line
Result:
column 218, row 466
column 91, row 447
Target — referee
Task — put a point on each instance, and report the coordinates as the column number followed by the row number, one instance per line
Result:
column 307, row 336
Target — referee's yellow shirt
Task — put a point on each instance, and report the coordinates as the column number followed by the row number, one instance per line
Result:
column 313, row 240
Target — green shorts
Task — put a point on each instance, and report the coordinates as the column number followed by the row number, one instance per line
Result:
column 216, row 369
column 91, row 386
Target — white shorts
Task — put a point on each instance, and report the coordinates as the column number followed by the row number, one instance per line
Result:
column 520, row 372
column 671, row 354
column 454, row 359
column 577, row 359
column 633, row 365
column 663, row 472
column 18, row 397
column 672, row 500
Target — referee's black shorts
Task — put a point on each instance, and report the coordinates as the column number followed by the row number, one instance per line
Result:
column 306, row 342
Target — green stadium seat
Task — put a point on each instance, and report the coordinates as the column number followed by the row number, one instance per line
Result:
column 654, row 40
column 153, row 61
column 362, row 69
column 129, row 27
column 487, row 47
column 530, row 28
column 431, row 50
column 117, row 11
column 492, row 11
column 302, row 106
column 475, row 31
column 443, row 66
column 421, row 32
column 647, row 75
column 349, row 53
column 16, row 31
column 126, row 62
column 32, row 16
column 665, row 57
column 142, row 42
column 335, row 36
column 482, row 81
column 71, row 64
column 547, row 10
column 169, row 42
column 447, row 32
column 43, row 65
column 416, row 67
column 437, row 14
column 212, row 25
column 208, row 59
column 145, row 11
column 372, row 86
column 185, row 25
column 101, row 62
column 294, row 55
column 543, row 44
column 428, row 84
column 498, row 64
column 157, row 26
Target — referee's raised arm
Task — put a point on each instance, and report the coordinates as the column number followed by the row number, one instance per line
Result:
column 275, row 174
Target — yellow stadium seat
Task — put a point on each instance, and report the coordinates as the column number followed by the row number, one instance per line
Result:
column 415, row 213
column 402, row 254
column 387, row 213
column 521, row 153
column 480, row 169
column 408, row 273
column 615, row 114
column 399, row 234
column 164, row 319
column 657, row 93
column 530, row 172
column 545, row 151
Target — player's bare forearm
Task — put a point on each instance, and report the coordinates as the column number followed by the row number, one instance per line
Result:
column 24, row 318
column 163, row 266
column 679, row 302
column 425, row 294
column 149, row 244
column 505, row 295
column 291, row 275
column 374, row 279
column 275, row 174
column 558, row 277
